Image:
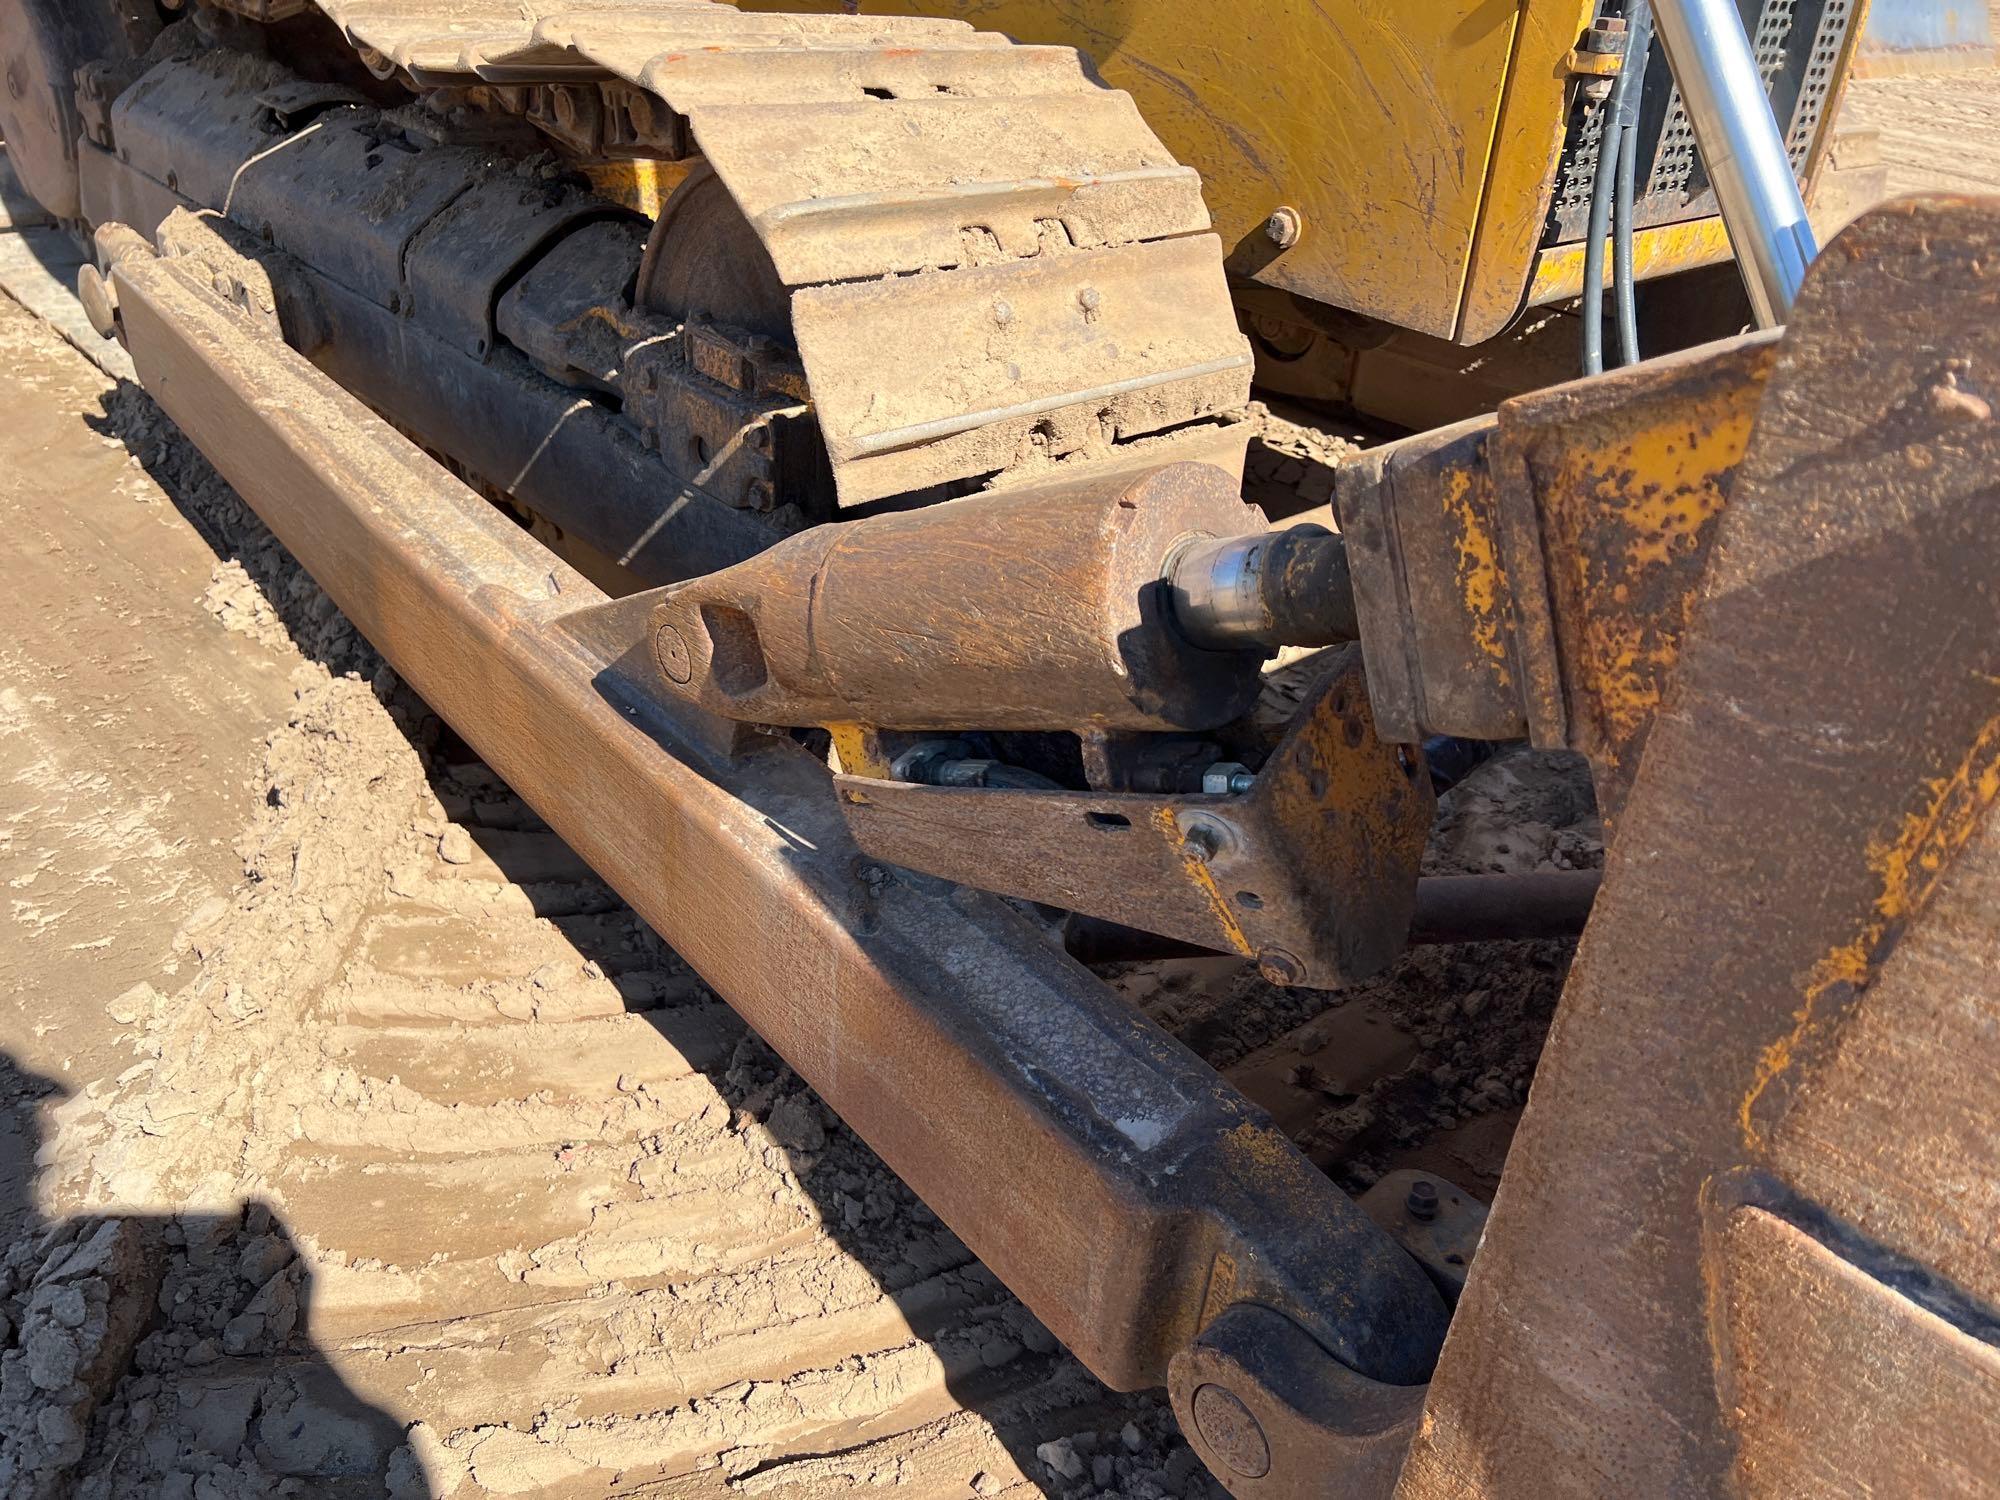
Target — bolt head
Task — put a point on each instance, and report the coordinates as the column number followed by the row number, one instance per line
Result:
column 1280, row 968
column 1225, row 777
column 670, row 649
column 1203, row 837
column 1422, row 1203
column 1284, row 227
column 1226, row 1425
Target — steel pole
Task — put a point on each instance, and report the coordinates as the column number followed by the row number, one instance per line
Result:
column 1742, row 147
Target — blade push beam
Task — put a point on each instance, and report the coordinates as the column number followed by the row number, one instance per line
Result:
column 1126, row 1193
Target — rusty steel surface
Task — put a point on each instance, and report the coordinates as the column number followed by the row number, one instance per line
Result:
column 1438, row 1222
column 1318, row 1430
column 1608, row 492
column 1312, row 873
column 944, row 1027
column 1529, row 575
column 1449, row 909
column 1744, row 1239
column 1793, row 1310
column 1033, row 608
column 1431, row 596
column 1498, row 908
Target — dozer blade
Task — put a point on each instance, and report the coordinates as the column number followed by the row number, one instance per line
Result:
column 1744, row 1242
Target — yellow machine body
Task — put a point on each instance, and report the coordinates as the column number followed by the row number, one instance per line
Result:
column 1419, row 144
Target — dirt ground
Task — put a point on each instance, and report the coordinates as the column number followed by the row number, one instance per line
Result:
column 354, row 1140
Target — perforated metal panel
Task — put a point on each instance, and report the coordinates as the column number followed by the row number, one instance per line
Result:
column 1797, row 45
column 1820, row 78
column 1579, row 162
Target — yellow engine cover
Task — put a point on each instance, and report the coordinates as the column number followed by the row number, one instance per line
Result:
column 1418, row 143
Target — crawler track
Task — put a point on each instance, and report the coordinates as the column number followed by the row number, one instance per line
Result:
column 992, row 260
column 415, row 1039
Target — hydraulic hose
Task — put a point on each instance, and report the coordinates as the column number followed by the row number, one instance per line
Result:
column 1610, row 142
column 1627, row 96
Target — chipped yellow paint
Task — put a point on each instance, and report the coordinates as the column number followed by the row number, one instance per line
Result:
column 1221, row 1288
column 1628, row 669
column 642, row 186
column 1479, row 575
column 1259, row 1147
column 1908, row 865
column 857, row 749
column 1638, row 502
column 1204, row 880
column 1681, row 466
column 1671, row 247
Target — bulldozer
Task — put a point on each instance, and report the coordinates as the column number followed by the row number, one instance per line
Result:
column 804, row 452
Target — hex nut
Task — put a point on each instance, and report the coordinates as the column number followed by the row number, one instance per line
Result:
column 1226, row 777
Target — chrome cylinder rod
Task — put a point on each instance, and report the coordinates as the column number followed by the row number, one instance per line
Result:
column 1289, row 587
column 1742, row 147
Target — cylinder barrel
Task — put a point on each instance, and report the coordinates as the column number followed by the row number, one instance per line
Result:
column 1037, row 608
column 1742, row 148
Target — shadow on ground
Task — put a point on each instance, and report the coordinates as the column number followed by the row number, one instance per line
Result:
column 96, row 1307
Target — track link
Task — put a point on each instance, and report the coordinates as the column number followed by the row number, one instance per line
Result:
column 993, row 263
